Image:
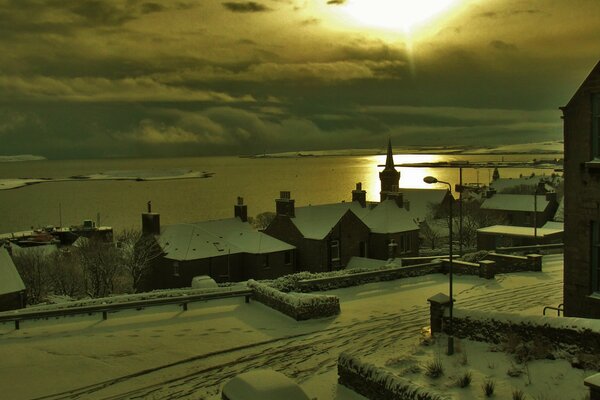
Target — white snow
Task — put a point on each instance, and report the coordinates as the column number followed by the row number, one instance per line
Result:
column 10, row 280
column 515, row 202
column 163, row 352
column 263, row 384
column 387, row 217
column 524, row 231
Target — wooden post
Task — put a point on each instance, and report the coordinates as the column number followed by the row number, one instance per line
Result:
column 17, row 324
column 184, row 306
column 104, row 315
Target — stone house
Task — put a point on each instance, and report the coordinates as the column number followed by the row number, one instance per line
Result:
column 522, row 209
column 227, row 250
column 582, row 199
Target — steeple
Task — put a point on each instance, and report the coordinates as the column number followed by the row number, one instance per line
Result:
column 389, row 177
column 389, row 159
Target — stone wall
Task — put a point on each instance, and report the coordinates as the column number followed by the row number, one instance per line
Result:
column 299, row 306
column 506, row 263
column 388, row 274
column 566, row 337
column 484, row 269
column 377, row 383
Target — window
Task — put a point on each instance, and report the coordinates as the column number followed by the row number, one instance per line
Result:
column 596, row 125
column 176, row 268
column 335, row 250
column 595, row 256
column 265, row 261
column 287, row 257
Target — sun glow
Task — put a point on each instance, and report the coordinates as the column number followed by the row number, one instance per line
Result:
column 396, row 15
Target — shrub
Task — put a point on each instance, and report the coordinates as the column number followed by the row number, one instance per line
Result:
column 514, row 371
column 518, row 394
column 434, row 369
column 488, row 387
column 464, row 380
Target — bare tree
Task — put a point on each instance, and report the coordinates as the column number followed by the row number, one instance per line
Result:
column 33, row 267
column 137, row 253
column 431, row 236
column 66, row 274
column 262, row 220
column 101, row 265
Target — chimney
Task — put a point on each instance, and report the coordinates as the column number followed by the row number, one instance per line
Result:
column 396, row 196
column 284, row 205
column 360, row 195
column 240, row 210
column 392, row 247
column 150, row 222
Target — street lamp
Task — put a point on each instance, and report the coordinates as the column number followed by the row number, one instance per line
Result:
column 431, row 180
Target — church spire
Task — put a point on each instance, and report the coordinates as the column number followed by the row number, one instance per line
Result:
column 389, row 177
column 389, row 160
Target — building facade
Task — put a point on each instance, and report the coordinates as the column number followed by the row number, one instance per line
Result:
column 582, row 199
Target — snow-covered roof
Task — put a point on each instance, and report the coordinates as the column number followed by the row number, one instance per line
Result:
column 509, row 183
column 387, row 217
column 315, row 222
column 420, row 199
column 10, row 280
column 524, row 231
column 515, row 202
column 559, row 215
column 215, row 238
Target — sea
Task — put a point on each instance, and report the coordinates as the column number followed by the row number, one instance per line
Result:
column 119, row 203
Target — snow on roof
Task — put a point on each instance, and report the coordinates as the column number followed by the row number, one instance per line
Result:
column 509, row 183
column 524, row 231
column 315, row 222
column 10, row 280
column 215, row 238
column 560, row 211
column 515, row 202
column 387, row 217
column 263, row 384
column 44, row 250
column 420, row 200
column 554, row 225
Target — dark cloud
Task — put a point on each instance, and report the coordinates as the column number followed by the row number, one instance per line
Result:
column 245, row 7
column 502, row 45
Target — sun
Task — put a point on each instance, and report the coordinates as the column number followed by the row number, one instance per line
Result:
column 395, row 15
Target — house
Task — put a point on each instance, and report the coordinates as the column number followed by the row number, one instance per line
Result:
column 522, row 209
column 12, row 288
column 426, row 203
column 516, row 185
column 325, row 236
column 228, row 250
column 582, row 199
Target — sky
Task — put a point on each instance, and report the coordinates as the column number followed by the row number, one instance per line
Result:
column 137, row 78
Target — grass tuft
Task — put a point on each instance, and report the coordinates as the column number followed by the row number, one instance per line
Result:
column 434, row 368
column 488, row 387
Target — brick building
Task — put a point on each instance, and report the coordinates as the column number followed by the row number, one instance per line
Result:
column 582, row 199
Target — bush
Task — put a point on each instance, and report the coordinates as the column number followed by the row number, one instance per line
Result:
column 434, row 369
column 464, row 380
column 488, row 387
column 518, row 394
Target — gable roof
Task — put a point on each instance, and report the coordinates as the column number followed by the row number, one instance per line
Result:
column 315, row 222
column 214, row 238
column 387, row 217
column 420, row 199
column 594, row 73
column 10, row 280
column 515, row 202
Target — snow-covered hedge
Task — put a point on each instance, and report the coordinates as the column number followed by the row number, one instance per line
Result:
column 376, row 383
column 300, row 306
column 309, row 282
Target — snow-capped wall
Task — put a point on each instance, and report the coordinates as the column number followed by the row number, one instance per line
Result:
column 377, row 383
column 300, row 306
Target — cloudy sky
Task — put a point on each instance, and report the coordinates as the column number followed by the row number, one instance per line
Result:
column 110, row 78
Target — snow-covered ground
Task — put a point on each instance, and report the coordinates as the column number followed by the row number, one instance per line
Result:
column 131, row 175
column 164, row 352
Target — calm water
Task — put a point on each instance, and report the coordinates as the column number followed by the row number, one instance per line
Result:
column 120, row 203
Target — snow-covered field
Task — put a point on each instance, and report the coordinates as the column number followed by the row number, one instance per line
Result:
column 164, row 352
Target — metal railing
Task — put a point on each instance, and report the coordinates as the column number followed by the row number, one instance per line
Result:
column 559, row 309
column 22, row 315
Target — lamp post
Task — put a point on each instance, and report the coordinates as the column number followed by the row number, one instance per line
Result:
column 431, row 180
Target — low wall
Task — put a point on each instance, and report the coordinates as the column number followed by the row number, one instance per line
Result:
column 299, row 306
column 388, row 274
column 564, row 337
column 484, row 269
column 377, row 383
column 506, row 263
column 408, row 261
